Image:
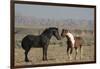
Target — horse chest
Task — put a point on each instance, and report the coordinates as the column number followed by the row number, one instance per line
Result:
column 44, row 41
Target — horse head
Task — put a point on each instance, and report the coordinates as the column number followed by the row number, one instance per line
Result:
column 64, row 32
column 55, row 32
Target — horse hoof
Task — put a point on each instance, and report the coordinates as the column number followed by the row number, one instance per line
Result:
column 45, row 60
column 26, row 60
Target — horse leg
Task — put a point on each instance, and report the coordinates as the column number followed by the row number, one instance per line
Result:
column 68, row 51
column 70, row 56
column 45, row 53
column 26, row 53
column 76, row 51
column 80, row 51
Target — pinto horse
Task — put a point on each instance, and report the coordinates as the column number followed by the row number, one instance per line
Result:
column 72, row 43
column 40, row 41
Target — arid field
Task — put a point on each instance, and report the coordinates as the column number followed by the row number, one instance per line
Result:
column 56, row 54
column 56, row 51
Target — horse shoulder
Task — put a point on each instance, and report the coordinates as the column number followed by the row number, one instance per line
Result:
column 44, row 40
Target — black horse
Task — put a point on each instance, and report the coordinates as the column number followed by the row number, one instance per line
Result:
column 41, row 41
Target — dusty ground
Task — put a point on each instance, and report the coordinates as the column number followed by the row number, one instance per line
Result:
column 56, row 54
column 56, row 51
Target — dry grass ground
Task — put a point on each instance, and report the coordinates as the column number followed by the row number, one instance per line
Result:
column 56, row 54
column 56, row 51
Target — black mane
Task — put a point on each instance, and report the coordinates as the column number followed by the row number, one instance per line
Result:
column 47, row 30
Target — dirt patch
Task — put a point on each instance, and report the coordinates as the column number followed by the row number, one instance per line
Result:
column 56, row 54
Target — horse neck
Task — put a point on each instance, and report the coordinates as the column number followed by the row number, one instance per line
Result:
column 69, row 36
column 48, row 34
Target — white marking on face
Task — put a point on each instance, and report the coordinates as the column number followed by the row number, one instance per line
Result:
column 71, row 38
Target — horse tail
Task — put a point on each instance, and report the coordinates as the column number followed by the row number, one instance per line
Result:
column 22, row 44
column 26, row 43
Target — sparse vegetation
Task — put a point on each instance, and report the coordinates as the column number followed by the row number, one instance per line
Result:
column 57, row 49
column 87, row 37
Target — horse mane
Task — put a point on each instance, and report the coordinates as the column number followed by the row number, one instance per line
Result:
column 47, row 30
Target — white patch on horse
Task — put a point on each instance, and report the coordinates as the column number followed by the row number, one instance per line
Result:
column 71, row 38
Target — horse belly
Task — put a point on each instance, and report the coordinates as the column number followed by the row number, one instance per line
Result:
column 36, row 43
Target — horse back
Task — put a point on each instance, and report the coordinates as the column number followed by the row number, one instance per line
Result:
column 78, row 41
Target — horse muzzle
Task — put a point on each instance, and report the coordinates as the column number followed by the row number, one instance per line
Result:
column 59, row 38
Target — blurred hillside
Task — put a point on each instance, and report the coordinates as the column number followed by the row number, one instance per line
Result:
column 33, row 22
